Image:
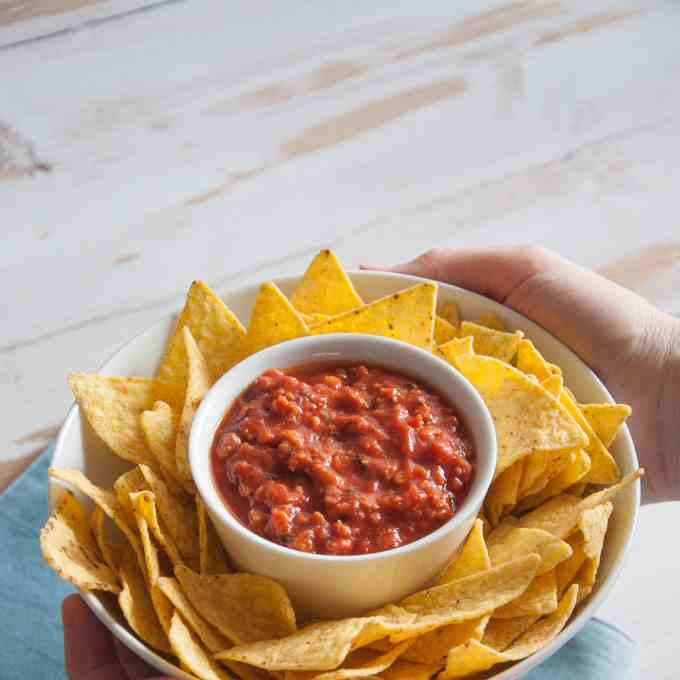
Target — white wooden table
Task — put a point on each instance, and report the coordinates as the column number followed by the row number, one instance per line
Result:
column 143, row 144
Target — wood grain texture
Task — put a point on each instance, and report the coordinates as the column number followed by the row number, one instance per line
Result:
column 144, row 144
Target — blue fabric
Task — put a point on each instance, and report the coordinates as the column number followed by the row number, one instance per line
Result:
column 30, row 597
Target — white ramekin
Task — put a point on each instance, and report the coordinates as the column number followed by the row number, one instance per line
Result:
column 325, row 586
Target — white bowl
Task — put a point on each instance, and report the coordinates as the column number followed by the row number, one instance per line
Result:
column 78, row 447
column 333, row 586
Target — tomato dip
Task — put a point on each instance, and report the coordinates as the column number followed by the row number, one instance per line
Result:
column 342, row 459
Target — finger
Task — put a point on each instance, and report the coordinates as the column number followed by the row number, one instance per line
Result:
column 494, row 272
column 89, row 653
column 135, row 668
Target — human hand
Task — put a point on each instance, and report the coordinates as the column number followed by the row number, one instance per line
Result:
column 632, row 346
column 92, row 653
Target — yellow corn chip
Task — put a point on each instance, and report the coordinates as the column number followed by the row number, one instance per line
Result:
column 212, row 557
column 603, row 467
column 529, row 360
column 490, row 342
column 191, row 652
column 554, row 384
column 144, row 503
column 312, row 319
column 135, row 603
column 217, row 332
column 112, row 406
column 473, row 656
column 605, row 419
column 473, row 558
column 243, row 607
column 159, row 426
column 405, row 670
column 198, row 383
column 129, row 482
column 593, row 525
column 111, row 552
column 325, row 288
column 449, row 312
column 526, row 416
column 511, row 542
column 501, row 633
column 566, row 571
column 539, row 599
column 491, row 320
column 273, row 320
column 560, row 514
column 178, row 515
column 69, row 548
column 209, row 636
column 452, row 349
column 443, row 331
column 407, row 316
column 502, row 495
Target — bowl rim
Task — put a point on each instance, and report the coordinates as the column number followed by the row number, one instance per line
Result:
column 519, row 668
column 215, row 402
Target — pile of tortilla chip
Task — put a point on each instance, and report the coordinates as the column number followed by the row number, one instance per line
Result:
column 149, row 544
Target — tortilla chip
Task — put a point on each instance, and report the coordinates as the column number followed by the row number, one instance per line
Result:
column 560, row 515
column 593, row 525
column 501, row 633
column 432, row 647
column 217, row 332
column 492, row 321
column 554, row 384
column 70, row 550
column 178, row 515
column 472, row 559
column 159, row 426
column 452, row 349
column 539, row 599
column 605, row 419
column 566, row 571
column 104, row 499
column 443, row 331
column 560, row 478
column 112, row 406
column 212, row 557
column 243, row 607
column 129, row 482
column 526, row 416
column 191, row 652
column 603, row 467
column 198, row 383
column 405, row 670
column 474, row 656
column 502, row 495
column 325, row 288
column 490, row 342
column 508, row 544
column 449, row 312
column 111, row 552
column 324, row 646
column 144, row 503
column 272, row 320
column 208, row 635
column 407, row 316
column 135, row 603
column 313, row 319
column 529, row 360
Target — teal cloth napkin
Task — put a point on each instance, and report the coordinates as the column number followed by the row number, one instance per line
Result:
column 30, row 597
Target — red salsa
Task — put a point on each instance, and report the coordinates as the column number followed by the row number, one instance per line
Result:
column 342, row 460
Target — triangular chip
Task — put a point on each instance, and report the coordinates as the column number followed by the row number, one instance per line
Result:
column 473, row 558
column 129, row 482
column 554, row 384
column 407, row 316
column 491, row 320
column 452, row 349
column 272, row 320
column 530, row 360
column 218, row 334
column 112, row 406
column 490, row 342
column 325, row 288
column 539, row 599
column 605, row 419
column 501, row 633
column 144, row 503
column 212, row 557
column 526, row 416
column 159, row 426
column 443, row 331
column 505, row 545
column 111, row 552
column 502, row 495
column 135, row 603
column 243, row 607
column 198, row 383
column 70, row 550
column 193, row 655
column 449, row 312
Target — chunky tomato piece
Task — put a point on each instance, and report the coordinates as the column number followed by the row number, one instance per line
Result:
column 342, row 460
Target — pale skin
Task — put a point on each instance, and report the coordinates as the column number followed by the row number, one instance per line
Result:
column 632, row 346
